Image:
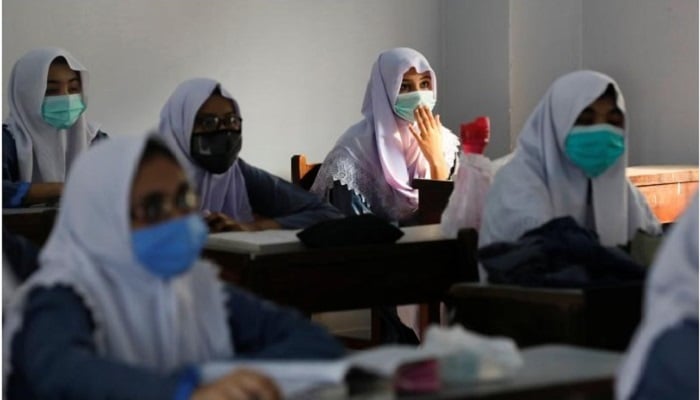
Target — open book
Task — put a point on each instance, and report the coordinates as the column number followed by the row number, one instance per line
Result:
column 383, row 366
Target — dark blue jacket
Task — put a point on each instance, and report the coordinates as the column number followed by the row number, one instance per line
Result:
column 289, row 205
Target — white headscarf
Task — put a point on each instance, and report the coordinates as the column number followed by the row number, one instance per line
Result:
column 671, row 296
column 378, row 158
column 140, row 319
column 540, row 183
column 224, row 192
column 44, row 153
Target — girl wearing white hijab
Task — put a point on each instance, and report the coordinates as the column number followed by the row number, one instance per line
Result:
column 131, row 311
column 46, row 128
column 373, row 164
column 662, row 362
column 203, row 123
column 570, row 161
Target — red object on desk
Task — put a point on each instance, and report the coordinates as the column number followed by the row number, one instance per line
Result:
column 475, row 135
column 418, row 377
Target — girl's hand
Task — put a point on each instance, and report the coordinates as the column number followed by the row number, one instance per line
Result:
column 239, row 385
column 220, row 222
column 429, row 138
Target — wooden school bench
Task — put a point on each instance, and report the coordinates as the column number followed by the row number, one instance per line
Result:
column 667, row 188
column 603, row 317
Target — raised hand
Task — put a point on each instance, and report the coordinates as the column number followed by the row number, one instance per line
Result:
column 428, row 134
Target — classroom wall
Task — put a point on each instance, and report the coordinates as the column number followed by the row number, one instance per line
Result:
column 651, row 48
column 298, row 68
column 475, row 77
column 500, row 56
column 545, row 43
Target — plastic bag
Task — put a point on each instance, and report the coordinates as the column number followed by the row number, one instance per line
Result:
column 465, row 356
column 466, row 203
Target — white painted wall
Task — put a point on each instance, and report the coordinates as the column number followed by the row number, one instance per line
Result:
column 651, row 48
column 475, row 79
column 545, row 43
column 298, row 68
column 500, row 56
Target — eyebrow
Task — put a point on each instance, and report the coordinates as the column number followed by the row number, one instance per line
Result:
column 57, row 82
column 206, row 115
column 183, row 186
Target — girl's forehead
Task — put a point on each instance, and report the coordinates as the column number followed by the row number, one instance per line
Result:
column 412, row 73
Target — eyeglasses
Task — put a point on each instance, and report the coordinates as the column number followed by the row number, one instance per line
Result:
column 208, row 123
column 157, row 207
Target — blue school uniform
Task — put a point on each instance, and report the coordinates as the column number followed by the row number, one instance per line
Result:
column 13, row 189
column 289, row 205
column 59, row 329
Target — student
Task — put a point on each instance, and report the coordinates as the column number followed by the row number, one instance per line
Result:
column 662, row 362
column 570, row 161
column 373, row 164
column 131, row 311
column 203, row 123
column 46, row 128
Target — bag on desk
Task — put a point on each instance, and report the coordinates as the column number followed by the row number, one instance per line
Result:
column 354, row 230
column 466, row 203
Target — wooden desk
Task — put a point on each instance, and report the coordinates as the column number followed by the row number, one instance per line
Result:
column 603, row 317
column 667, row 188
column 419, row 268
column 433, row 196
column 34, row 223
column 549, row 372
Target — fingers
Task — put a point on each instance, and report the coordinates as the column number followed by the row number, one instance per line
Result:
column 428, row 117
column 248, row 385
column 425, row 120
column 239, row 385
column 420, row 120
column 219, row 222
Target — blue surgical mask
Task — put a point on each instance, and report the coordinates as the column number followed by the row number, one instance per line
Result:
column 594, row 148
column 406, row 103
column 62, row 111
column 170, row 248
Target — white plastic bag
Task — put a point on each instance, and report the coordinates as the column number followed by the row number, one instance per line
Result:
column 466, row 356
column 466, row 203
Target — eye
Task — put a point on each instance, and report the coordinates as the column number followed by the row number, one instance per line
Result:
column 405, row 87
column 186, row 199
column 616, row 118
column 153, row 207
column 587, row 117
column 51, row 91
column 207, row 123
column 74, row 89
column 425, row 85
column 233, row 121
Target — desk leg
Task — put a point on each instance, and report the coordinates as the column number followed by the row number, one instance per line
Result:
column 429, row 314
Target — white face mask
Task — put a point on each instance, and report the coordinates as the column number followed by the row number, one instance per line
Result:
column 406, row 103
